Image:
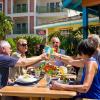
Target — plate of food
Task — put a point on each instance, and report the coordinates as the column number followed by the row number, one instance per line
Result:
column 63, row 70
column 26, row 79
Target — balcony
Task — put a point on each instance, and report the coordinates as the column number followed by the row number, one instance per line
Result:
column 20, row 8
column 20, row 31
column 46, row 9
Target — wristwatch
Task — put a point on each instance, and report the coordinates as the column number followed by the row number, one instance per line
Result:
column 60, row 57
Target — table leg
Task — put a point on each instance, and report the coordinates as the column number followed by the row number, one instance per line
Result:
column 34, row 98
column 51, row 99
column 47, row 98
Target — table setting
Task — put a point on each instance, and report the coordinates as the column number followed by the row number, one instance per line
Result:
column 36, row 85
column 44, row 70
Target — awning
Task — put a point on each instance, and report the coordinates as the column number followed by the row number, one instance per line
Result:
column 87, row 7
column 68, row 23
column 77, row 5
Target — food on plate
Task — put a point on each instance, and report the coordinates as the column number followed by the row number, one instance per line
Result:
column 26, row 78
column 63, row 70
column 49, row 67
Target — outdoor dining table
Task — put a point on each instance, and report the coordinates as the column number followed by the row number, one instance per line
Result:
column 35, row 92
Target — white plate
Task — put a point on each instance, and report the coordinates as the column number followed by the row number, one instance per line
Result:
column 23, row 79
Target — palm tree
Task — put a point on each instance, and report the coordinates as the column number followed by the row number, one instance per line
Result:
column 6, row 25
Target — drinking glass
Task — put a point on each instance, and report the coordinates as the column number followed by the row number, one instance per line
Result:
column 47, row 78
column 37, row 73
column 47, row 50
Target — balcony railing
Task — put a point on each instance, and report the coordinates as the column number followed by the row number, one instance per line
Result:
column 20, row 8
column 46, row 9
column 21, row 31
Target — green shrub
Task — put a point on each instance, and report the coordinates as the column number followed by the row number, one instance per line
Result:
column 32, row 40
column 69, row 41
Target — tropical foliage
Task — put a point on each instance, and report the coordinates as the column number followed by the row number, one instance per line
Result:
column 6, row 25
column 12, row 43
column 69, row 42
column 32, row 40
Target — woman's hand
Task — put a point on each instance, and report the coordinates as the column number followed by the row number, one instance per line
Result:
column 56, row 86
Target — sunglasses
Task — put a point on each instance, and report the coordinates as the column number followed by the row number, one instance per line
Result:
column 55, row 42
column 23, row 45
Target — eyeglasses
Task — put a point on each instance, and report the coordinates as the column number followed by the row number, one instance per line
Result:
column 23, row 44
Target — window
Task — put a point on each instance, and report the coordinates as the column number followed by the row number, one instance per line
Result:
column 24, row 28
column 21, row 8
column 48, row 7
column 21, row 28
column 52, row 7
column 24, row 7
column 57, row 4
column 18, row 8
column 18, row 28
column 1, row 7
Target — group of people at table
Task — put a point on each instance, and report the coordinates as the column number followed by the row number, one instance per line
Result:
column 88, row 50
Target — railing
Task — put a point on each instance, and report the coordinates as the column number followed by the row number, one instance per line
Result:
column 20, row 8
column 21, row 31
column 46, row 9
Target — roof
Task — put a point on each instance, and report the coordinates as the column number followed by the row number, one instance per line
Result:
column 77, row 5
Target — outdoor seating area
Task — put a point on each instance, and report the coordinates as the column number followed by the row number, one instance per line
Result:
column 36, row 92
column 46, row 56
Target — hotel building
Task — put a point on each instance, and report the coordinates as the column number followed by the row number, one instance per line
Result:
column 27, row 14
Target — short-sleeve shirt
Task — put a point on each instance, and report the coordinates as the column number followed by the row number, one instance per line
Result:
column 5, row 62
column 58, row 62
column 16, row 70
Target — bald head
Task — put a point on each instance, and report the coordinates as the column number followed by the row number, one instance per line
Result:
column 55, row 39
column 56, row 42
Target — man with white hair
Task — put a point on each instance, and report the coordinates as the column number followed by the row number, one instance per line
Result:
column 96, row 39
column 7, row 61
column 77, row 63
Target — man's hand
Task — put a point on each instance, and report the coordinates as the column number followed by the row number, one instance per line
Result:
column 44, row 56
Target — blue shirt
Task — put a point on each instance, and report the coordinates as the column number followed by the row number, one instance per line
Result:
column 58, row 62
column 94, row 91
column 5, row 62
